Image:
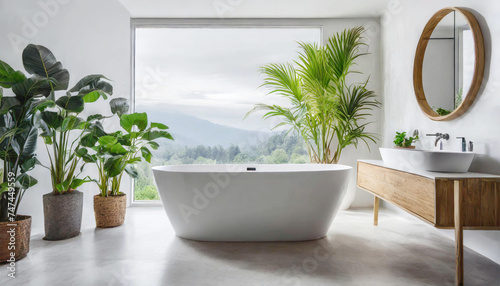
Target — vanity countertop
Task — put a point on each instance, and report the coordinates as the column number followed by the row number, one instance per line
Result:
column 432, row 175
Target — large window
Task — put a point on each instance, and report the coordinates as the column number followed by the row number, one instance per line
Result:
column 201, row 82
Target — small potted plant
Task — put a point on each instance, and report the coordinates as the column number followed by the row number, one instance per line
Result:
column 61, row 129
column 115, row 154
column 401, row 141
column 18, row 142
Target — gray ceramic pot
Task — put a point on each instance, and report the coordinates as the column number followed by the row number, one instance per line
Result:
column 63, row 215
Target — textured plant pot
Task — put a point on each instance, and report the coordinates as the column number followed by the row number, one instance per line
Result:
column 110, row 211
column 21, row 231
column 63, row 215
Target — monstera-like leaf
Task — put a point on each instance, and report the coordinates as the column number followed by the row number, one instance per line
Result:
column 32, row 87
column 128, row 121
column 92, row 87
column 38, row 60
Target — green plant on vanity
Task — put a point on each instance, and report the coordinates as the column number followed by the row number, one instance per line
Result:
column 324, row 109
column 401, row 141
column 115, row 154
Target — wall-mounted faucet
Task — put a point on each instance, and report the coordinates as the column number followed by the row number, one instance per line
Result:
column 440, row 136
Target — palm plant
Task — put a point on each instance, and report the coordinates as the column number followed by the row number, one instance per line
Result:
column 324, row 109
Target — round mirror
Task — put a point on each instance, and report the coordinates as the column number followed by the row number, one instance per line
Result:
column 449, row 64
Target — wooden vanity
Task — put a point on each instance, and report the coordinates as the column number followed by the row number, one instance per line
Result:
column 444, row 200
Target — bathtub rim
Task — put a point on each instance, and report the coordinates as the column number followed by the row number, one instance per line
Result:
column 226, row 168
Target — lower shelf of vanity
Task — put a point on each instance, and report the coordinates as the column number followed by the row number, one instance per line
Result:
column 430, row 196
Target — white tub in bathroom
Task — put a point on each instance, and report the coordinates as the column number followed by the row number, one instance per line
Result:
column 251, row 202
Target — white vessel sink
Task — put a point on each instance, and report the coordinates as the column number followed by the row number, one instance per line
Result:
column 427, row 160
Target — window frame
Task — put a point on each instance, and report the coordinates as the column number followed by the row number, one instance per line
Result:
column 205, row 23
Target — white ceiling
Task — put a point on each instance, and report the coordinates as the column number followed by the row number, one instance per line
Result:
column 254, row 8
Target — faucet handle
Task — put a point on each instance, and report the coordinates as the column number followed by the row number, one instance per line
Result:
column 436, row 134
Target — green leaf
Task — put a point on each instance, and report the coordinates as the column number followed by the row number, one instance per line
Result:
column 152, row 135
column 107, row 141
column 76, row 183
column 98, row 129
column 82, row 152
column 146, row 154
column 91, row 96
column 29, row 143
column 52, row 119
column 114, row 166
column 128, row 121
column 87, row 81
column 32, row 87
column 154, row 145
column 60, row 188
column 26, row 181
column 8, row 103
column 119, row 106
column 40, row 61
column 132, row 171
column 70, row 123
column 159, row 125
column 89, row 140
column 29, row 164
column 71, row 103
column 8, row 76
column 42, row 125
column 94, row 117
column 47, row 140
column 91, row 88
column 118, row 149
column 89, row 159
column 42, row 104
column 134, row 160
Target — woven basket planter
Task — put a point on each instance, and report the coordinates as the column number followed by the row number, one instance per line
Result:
column 110, row 211
column 21, row 231
column 63, row 215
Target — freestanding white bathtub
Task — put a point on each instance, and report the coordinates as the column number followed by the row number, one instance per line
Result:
column 251, row 202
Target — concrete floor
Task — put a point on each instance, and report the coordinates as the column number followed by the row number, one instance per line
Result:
column 145, row 251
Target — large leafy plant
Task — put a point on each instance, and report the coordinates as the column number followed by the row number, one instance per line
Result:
column 18, row 133
column 59, row 119
column 324, row 109
column 116, row 153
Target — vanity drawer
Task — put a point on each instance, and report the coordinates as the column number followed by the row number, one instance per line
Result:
column 413, row 193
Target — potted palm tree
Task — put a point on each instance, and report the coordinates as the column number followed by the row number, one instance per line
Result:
column 18, row 142
column 115, row 154
column 61, row 128
column 325, row 110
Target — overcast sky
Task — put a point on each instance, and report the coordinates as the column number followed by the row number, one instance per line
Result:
column 212, row 73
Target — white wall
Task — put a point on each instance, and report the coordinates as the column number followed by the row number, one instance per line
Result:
column 400, row 34
column 88, row 37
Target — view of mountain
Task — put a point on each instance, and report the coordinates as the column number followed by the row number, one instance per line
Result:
column 192, row 131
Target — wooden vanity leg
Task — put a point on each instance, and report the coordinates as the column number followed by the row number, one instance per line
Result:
column 459, row 236
column 375, row 211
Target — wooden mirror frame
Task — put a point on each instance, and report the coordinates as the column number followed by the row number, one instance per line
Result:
column 478, row 65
